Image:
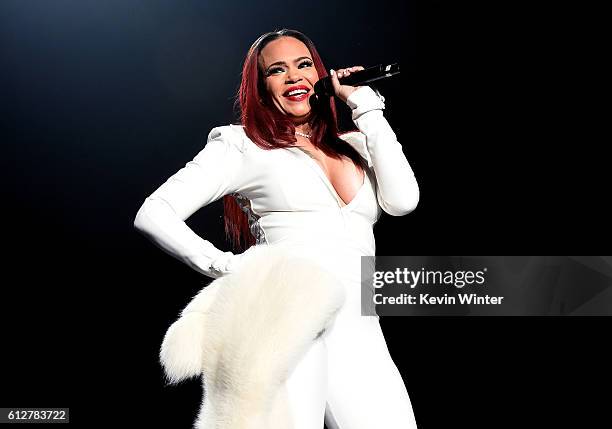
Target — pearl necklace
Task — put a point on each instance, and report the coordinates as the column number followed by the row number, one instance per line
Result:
column 303, row 135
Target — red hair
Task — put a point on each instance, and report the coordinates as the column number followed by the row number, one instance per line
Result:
column 270, row 129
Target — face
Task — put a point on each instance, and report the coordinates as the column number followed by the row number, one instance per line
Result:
column 289, row 75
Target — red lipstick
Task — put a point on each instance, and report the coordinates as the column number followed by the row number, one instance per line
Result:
column 300, row 96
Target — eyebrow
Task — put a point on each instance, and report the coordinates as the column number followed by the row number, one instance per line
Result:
column 284, row 63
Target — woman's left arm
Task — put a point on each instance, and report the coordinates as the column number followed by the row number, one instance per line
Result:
column 397, row 188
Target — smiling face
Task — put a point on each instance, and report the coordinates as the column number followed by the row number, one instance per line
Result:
column 289, row 75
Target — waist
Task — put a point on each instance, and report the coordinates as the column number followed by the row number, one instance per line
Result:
column 344, row 232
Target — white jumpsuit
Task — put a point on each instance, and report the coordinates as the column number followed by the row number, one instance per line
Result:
column 347, row 377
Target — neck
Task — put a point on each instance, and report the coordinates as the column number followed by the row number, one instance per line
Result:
column 303, row 128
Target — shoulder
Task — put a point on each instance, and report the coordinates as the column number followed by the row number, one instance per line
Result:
column 231, row 135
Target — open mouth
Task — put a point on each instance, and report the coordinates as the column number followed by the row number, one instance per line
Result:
column 297, row 93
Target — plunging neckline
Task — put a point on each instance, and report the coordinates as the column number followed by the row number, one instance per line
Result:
column 327, row 181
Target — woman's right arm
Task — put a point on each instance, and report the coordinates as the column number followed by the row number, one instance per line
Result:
column 209, row 176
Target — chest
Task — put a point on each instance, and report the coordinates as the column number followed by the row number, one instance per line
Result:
column 345, row 177
column 295, row 180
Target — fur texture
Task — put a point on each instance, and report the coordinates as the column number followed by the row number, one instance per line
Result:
column 245, row 332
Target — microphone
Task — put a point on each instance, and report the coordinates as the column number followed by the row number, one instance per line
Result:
column 324, row 86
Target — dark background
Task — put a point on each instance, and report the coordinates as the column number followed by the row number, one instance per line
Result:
column 102, row 101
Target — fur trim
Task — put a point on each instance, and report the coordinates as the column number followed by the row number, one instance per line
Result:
column 245, row 332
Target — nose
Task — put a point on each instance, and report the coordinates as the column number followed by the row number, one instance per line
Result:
column 293, row 75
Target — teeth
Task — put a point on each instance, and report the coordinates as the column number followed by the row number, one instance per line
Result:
column 297, row 91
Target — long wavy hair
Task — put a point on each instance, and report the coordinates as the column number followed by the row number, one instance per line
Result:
column 270, row 129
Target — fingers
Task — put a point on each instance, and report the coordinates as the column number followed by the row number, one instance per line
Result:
column 343, row 91
column 334, row 79
column 347, row 71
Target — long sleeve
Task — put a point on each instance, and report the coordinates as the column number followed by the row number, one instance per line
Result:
column 208, row 177
column 396, row 188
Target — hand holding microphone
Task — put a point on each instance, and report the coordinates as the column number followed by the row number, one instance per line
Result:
column 343, row 82
column 343, row 91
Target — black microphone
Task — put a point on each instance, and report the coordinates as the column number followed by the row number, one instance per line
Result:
column 324, row 86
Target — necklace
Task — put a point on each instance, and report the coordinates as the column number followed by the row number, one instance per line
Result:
column 303, row 135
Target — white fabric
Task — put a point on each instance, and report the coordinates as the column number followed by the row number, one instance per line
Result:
column 289, row 199
column 245, row 333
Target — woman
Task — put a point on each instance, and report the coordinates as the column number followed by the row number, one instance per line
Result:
column 288, row 177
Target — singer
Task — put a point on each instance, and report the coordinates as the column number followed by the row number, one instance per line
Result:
column 286, row 175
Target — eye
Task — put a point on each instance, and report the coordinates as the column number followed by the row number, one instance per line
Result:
column 274, row 70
